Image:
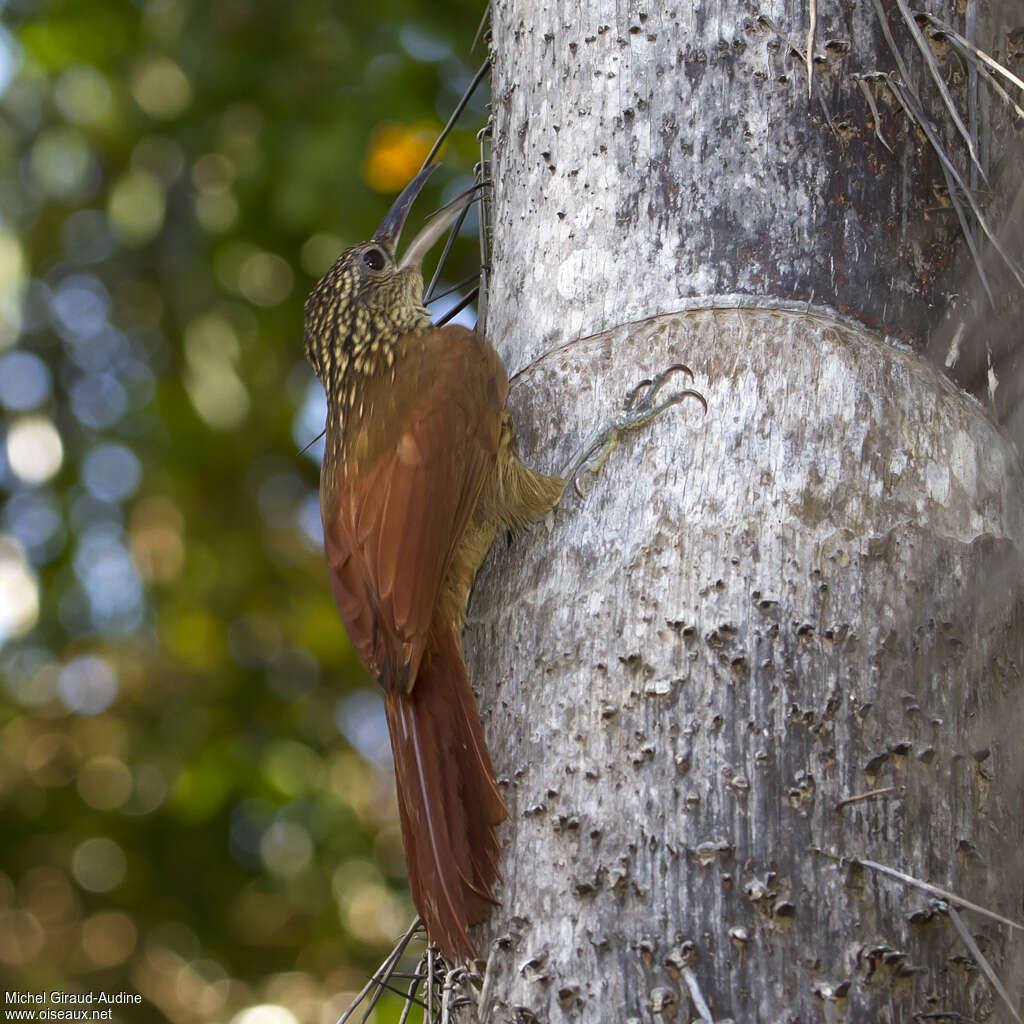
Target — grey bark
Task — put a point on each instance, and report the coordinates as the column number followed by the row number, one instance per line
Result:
column 808, row 595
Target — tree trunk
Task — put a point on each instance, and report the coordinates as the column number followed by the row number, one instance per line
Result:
column 774, row 641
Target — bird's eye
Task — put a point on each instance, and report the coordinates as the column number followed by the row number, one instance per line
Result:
column 374, row 259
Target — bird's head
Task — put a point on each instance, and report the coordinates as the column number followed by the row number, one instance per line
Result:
column 370, row 297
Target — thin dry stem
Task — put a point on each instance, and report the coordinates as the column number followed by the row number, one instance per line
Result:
column 978, row 60
column 484, row 225
column 890, row 42
column 699, row 1002
column 968, row 45
column 914, row 112
column 933, row 67
column 856, row 798
column 935, row 890
column 876, row 117
column 812, row 17
column 976, row 952
column 805, row 58
column 459, row 107
column 381, row 980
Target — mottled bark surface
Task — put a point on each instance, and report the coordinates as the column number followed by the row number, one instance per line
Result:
column 810, row 593
column 806, row 595
column 673, row 151
column 650, row 153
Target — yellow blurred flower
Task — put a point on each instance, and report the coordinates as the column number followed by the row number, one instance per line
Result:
column 395, row 155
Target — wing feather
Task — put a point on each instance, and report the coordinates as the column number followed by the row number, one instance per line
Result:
column 393, row 523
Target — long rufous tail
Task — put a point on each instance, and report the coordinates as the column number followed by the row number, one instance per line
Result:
column 447, row 798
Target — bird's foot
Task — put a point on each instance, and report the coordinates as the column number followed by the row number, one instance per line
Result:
column 641, row 405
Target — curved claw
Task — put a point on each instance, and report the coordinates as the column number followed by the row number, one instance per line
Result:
column 700, row 398
column 638, row 409
column 675, row 368
column 679, row 396
column 659, row 381
column 647, row 412
column 604, row 443
column 631, row 396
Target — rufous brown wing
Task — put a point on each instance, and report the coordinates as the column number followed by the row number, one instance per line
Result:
column 395, row 509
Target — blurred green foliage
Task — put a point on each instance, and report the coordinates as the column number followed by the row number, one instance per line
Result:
column 195, row 784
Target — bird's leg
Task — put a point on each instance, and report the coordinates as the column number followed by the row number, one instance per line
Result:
column 641, row 405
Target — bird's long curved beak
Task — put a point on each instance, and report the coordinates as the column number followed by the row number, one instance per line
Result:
column 391, row 226
column 436, row 226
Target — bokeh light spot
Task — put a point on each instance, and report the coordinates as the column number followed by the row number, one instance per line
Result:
column 310, row 522
column 12, row 286
column 109, row 938
column 293, row 768
column 211, row 337
column 99, row 864
column 47, row 893
column 30, row 675
column 104, row 566
column 158, row 546
column 265, row 1013
column 160, row 156
column 136, row 207
column 35, row 520
column 82, row 94
column 98, row 400
column 34, row 449
column 395, row 155
column 249, row 821
column 52, row 759
column 228, row 261
column 12, row 260
column 150, row 790
column 216, row 212
column 161, row 88
column 111, row 472
column 213, row 173
column 422, row 45
column 216, row 390
column 21, row 937
column 203, row 987
column 265, row 279
column 364, row 902
column 24, row 381
column 319, row 253
column 286, row 848
column 81, row 304
column 360, row 718
column 309, row 421
column 104, row 782
column 373, row 914
column 61, row 163
column 19, row 591
column 10, row 58
column 87, row 685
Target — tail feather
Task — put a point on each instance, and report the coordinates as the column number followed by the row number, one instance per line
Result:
column 447, row 798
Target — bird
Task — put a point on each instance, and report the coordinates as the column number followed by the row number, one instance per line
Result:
column 419, row 476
